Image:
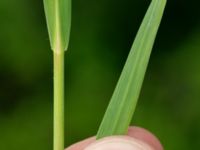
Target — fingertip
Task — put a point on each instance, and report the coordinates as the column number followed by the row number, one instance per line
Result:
column 145, row 136
column 135, row 136
column 119, row 143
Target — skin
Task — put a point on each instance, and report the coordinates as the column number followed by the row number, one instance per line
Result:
column 137, row 134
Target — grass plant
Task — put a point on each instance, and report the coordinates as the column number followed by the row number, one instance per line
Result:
column 58, row 16
column 123, row 102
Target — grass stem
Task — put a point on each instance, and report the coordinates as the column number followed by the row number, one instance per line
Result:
column 59, row 100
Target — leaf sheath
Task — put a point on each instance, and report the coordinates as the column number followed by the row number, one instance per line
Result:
column 58, row 16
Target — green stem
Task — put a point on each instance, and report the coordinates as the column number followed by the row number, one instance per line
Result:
column 59, row 100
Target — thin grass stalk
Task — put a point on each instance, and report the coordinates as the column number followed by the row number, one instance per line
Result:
column 58, row 101
column 58, row 16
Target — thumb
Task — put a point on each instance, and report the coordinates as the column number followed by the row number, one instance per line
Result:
column 119, row 143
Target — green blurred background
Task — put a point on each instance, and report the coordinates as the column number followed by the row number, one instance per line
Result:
column 101, row 37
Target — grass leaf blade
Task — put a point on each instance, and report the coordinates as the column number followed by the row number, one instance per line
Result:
column 123, row 102
column 58, row 16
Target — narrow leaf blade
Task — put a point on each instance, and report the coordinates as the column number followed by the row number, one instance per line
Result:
column 123, row 102
column 58, row 16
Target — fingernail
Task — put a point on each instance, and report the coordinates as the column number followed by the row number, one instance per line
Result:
column 118, row 143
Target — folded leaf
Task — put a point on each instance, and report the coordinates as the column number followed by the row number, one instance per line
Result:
column 58, row 15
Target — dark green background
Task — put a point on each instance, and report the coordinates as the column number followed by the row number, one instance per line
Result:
column 101, row 37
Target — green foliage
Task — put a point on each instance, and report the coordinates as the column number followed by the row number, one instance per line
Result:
column 169, row 101
column 58, row 15
column 123, row 102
